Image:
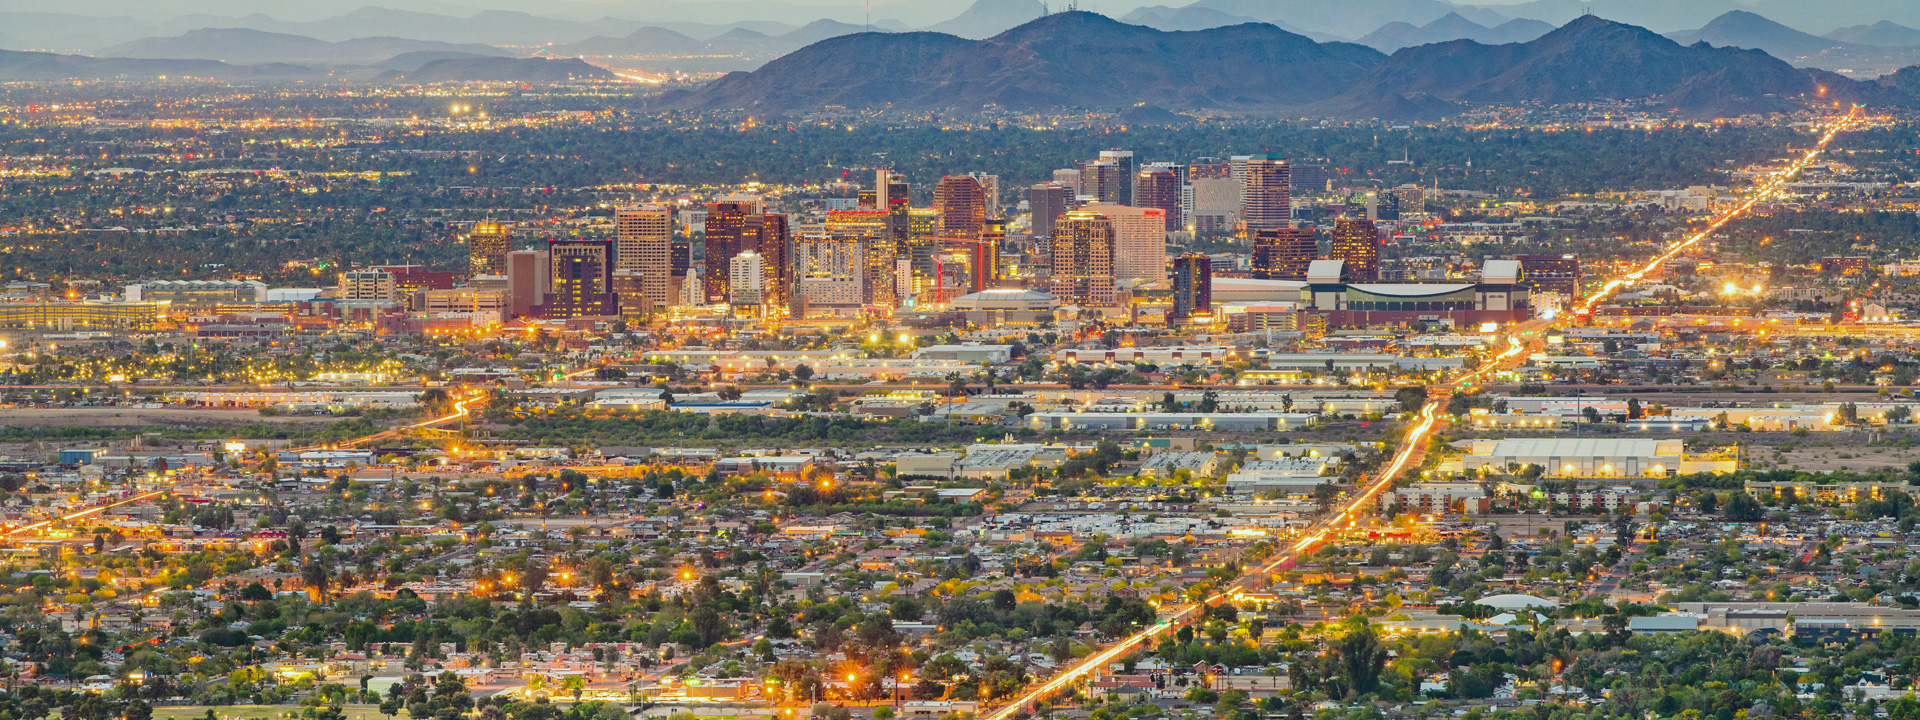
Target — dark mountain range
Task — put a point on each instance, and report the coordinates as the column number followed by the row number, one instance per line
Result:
column 1395, row 35
column 526, row 70
column 1586, row 59
column 1883, row 33
column 1748, row 30
column 1084, row 60
column 1072, row 59
column 987, row 18
column 16, row 65
column 241, row 45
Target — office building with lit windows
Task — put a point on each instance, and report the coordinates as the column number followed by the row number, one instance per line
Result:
column 1283, row 253
column 1083, row 248
column 487, row 248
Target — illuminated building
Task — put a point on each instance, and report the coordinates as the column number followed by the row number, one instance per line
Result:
column 962, row 204
column 1192, row 286
column 871, row 229
column 580, row 283
column 196, row 296
column 367, row 285
column 728, row 231
column 1139, row 241
column 487, row 248
column 1409, row 198
column 990, row 190
column 1159, row 187
column 748, row 278
column 1107, row 181
column 1083, row 247
column 1266, row 197
column 1358, row 243
column 72, row 316
column 1551, row 273
column 643, row 246
column 830, row 271
column 1283, row 253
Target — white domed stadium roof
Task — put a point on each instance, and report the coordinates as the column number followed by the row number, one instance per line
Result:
column 1515, row 602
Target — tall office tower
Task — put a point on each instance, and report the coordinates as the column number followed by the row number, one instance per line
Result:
column 1267, row 194
column 368, row 285
column 1237, row 169
column 487, row 248
column 1160, row 188
column 1555, row 273
column 527, row 277
column 1358, row 243
column 985, row 262
column 1106, row 181
column 643, row 248
column 1069, row 177
column 580, row 281
column 1128, row 168
column 1310, row 176
column 1283, row 253
column 775, row 243
column 990, row 189
column 1139, row 241
column 872, row 229
column 1192, row 285
column 830, row 271
column 1409, row 198
column 1083, row 260
column 733, row 226
column 1373, row 206
column 1046, row 202
column 962, row 204
column 747, row 279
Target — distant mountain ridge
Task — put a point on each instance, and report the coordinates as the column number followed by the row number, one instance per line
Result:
column 987, row 18
column 1452, row 26
column 40, row 66
column 242, row 45
column 1884, row 33
column 1079, row 59
column 1740, row 28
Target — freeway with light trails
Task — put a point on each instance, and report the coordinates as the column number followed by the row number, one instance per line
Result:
column 461, row 409
column 1412, row 444
column 143, row 497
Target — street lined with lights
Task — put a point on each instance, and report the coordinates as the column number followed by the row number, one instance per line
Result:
column 1410, row 446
